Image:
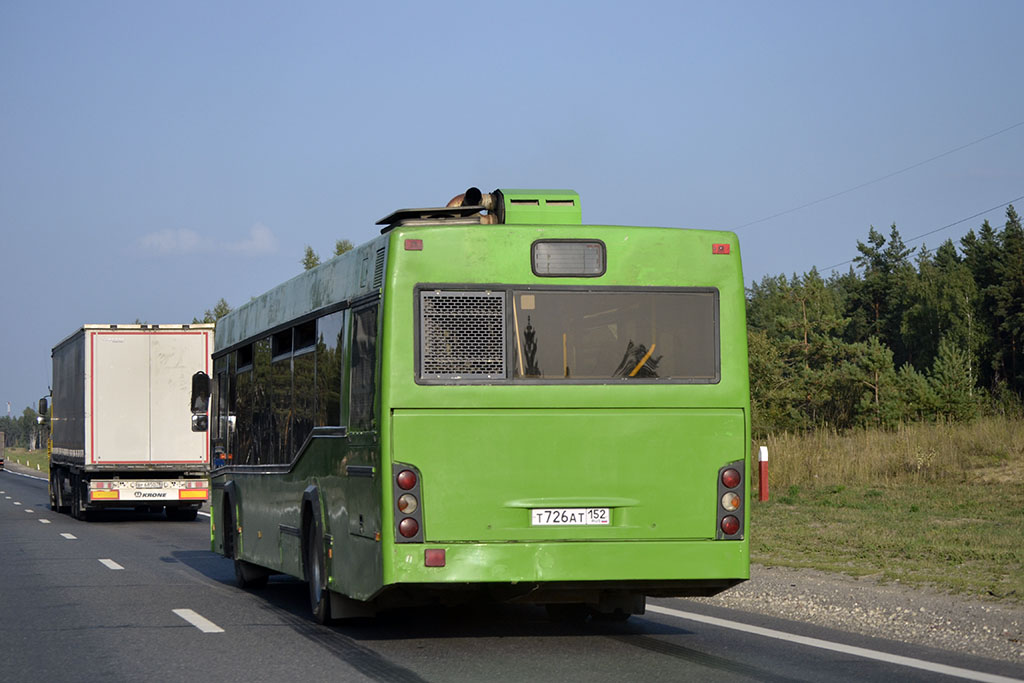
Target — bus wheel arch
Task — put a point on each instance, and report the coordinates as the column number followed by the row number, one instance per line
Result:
column 247, row 575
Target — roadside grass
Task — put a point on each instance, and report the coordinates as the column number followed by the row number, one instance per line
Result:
column 939, row 505
column 35, row 459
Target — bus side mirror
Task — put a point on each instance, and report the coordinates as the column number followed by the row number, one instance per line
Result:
column 200, row 401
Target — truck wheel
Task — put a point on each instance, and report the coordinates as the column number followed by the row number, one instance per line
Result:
column 178, row 514
column 316, row 573
column 54, row 491
column 76, row 497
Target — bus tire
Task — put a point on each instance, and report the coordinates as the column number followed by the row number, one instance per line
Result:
column 316, row 572
column 567, row 612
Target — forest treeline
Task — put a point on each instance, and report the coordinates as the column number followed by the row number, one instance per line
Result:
column 24, row 431
column 906, row 335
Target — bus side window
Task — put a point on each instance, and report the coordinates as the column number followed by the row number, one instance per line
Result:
column 364, row 364
column 329, row 347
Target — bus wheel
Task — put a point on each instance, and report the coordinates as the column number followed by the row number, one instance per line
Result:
column 618, row 615
column 316, row 572
column 567, row 612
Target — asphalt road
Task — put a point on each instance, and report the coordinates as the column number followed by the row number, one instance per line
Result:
column 133, row 597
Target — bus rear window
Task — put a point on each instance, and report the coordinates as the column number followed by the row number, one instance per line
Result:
column 616, row 335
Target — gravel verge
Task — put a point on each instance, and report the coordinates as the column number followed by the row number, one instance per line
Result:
column 885, row 610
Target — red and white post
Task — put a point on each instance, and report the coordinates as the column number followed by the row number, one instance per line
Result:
column 762, row 473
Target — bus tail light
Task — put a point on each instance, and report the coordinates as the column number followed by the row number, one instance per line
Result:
column 406, row 480
column 408, row 527
column 408, row 509
column 731, row 492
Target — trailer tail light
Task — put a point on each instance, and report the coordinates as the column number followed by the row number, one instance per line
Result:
column 408, row 506
column 731, row 491
column 103, row 490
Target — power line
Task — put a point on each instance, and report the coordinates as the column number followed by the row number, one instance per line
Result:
column 881, row 178
column 944, row 227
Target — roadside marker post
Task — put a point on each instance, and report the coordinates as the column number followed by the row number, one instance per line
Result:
column 762, row 473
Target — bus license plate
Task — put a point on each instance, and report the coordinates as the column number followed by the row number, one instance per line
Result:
column 570, row 516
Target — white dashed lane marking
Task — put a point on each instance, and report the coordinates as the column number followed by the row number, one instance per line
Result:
column 110, row 564
column 199, row 621
column 70, row 537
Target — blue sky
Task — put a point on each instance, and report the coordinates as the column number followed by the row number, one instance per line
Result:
column 157, row 157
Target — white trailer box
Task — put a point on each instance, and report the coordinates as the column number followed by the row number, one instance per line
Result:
column 121, row 425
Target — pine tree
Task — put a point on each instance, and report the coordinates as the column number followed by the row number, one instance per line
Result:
column 952, row 384
column 342, row 247
column 310, row 259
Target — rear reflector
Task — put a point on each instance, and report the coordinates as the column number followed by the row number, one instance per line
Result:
column 104, row 495
column 433, row 557
column 193, row 494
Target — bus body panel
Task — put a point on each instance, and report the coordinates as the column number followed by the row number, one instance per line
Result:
column 483, row 471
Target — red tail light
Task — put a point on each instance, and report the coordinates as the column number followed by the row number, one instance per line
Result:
column 730, row 525
column 406, row 480
column 730, row 478
column 408, row 527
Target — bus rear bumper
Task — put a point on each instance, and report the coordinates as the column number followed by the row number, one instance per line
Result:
column 656, row 568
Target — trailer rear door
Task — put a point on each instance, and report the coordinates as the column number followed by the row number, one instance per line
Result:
column 139, row 390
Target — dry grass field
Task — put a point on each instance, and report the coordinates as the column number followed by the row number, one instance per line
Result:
column 928, row 504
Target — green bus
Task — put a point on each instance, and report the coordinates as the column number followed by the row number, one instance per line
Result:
column 490, row 400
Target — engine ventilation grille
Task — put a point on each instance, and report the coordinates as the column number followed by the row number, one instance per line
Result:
column 378, row 269
column 462, row 335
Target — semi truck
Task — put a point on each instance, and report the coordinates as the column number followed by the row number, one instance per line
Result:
column 119, row 428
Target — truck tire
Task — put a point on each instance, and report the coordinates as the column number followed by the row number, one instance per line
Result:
column 316, row 573
column 54, row 491
column 181, row 514
column 76, row 497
